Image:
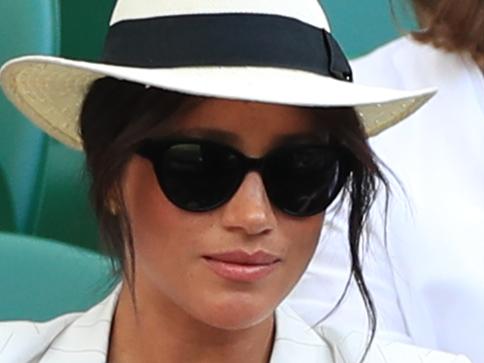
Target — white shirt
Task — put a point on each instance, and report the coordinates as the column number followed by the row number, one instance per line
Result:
column 84, row 338
column 429, row 286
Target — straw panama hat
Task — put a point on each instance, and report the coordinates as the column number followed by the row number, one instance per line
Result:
column 274, row 51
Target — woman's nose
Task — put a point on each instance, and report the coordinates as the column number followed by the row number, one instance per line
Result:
column 250, row 210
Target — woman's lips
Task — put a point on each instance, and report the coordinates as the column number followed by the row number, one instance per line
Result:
column 242, row 266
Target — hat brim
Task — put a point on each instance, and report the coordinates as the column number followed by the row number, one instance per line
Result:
column 50, row 91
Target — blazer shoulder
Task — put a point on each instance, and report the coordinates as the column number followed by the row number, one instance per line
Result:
column 22, row 341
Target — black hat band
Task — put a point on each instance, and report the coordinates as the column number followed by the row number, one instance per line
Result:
column 225, row 40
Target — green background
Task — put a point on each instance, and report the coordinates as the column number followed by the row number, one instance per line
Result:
column 64, row 213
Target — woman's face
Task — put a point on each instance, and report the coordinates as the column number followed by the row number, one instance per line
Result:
column 190, row 262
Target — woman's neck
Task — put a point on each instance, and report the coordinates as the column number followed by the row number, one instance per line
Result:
column 167, row 334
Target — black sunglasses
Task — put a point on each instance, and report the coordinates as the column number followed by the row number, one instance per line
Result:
column 200, row 175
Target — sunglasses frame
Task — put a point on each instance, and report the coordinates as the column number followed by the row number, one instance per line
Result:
column 152, row 150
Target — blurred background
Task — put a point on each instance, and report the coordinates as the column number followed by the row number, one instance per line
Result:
column 43, row 190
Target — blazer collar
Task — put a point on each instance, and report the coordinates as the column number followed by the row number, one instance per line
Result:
column 86, row 339
column 297, row 341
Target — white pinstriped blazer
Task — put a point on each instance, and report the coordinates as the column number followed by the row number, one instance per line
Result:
column 84, row 338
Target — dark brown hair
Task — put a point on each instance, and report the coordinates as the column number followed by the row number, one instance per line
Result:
column 111, row 137
column 456, row 26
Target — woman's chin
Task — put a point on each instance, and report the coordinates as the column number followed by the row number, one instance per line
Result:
column 234, row 315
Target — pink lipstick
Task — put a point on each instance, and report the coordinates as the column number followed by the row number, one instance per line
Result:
column 242, row 266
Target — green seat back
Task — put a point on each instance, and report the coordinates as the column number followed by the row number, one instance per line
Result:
column 64, row 211
column 40, row 279
column 42, row 190
column 7, row 222
column 26, row 27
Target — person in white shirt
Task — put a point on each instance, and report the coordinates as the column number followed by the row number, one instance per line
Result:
column 428, row 282
column 210, row 179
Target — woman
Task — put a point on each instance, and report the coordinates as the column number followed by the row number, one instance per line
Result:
column 214, row 152
column 434, row 294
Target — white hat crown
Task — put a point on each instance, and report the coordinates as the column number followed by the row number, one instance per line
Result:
column 307, row 11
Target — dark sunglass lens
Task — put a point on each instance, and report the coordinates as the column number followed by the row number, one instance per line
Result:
column 198, row 176
column 303, row 181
